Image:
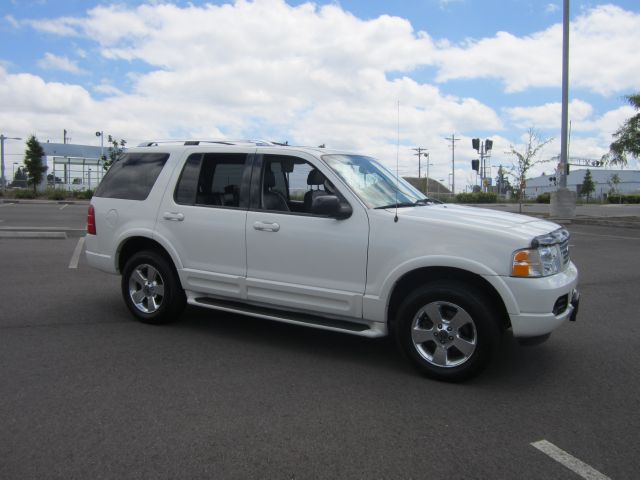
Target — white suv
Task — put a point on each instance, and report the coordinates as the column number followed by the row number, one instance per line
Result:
column 329, row 240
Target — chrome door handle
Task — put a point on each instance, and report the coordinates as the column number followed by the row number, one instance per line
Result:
column 173, row 216
column 266, row 226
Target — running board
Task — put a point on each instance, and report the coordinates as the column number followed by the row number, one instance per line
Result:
column 295, row 318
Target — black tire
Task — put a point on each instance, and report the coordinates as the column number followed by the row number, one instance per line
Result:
column 447, row 330
column 151, row 288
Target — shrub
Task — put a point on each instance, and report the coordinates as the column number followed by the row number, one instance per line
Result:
column 25, row 193
column 544, row 198
column 56, row 194
column 84, row 194
column 477, row 197
column 619, row 198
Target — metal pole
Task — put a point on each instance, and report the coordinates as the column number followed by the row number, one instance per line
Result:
column 453, row 160
column 2, row 181
column 565, row 95
column 428, row 161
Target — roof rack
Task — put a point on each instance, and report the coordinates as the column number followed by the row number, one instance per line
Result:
column 258, row 143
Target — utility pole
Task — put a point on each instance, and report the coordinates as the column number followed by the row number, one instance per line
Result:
column 420, row 151
column 453, row 141
column 3, row 180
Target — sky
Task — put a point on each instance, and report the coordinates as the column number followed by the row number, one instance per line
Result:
column 374, row 77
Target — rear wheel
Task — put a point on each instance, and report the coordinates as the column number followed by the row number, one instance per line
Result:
column 447, row 330
column 151, row 288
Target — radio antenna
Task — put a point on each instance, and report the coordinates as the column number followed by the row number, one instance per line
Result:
column 395, row 218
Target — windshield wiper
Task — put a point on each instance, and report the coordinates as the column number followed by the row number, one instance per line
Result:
column 398, row 205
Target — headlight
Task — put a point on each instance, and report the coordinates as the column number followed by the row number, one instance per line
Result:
column 544, row 259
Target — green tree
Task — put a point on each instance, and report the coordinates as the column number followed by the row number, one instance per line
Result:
column 525, row 160
column 588, row 187
column 116, row 149
column 33, row 162
column 19, row 178
column 502, row 182
column 627, row 138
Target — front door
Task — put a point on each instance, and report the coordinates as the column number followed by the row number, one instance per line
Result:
column 296, row 259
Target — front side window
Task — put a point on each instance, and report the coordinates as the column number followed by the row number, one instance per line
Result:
column 290, row 184
column 132, row 176
column 211, row 179
column 376, row 186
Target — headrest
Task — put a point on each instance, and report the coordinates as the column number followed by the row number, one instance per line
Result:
column 315, row 177
column 286, row 164
column 269, row 179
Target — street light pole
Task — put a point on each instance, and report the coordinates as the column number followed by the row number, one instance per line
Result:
column 428, row 164
column 3, row 180
column 563, row 200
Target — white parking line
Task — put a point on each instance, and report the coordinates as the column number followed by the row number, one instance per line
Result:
column 75, row 258
column 6, row 205
column 64, row 206
column 569, row 461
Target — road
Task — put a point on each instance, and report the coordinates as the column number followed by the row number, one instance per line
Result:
column 87, row 392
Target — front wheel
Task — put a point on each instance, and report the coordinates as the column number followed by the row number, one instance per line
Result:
column 151, row 289
column 447, row 330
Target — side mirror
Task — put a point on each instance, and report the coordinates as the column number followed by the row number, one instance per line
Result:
column 331, row 206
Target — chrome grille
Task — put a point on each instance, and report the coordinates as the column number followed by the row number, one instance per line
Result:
column 564, row 249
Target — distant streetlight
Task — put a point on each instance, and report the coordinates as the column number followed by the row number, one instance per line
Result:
column 429, row 164
column 3, row 180
column 101, row 135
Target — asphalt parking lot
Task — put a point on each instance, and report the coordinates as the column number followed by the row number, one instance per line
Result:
column 87, row 392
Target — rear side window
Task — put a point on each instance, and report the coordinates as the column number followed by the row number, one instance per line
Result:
column 211, row 179
column 132, row 176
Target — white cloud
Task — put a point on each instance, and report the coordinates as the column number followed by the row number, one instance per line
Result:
column 10, row 19
column 548, row 116
column 603, row 56
column 55, row 62
column 551, row 8
column 306, row 74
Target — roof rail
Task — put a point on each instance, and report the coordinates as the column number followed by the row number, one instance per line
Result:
column 258, row 143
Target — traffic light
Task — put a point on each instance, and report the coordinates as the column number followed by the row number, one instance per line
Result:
column 488, row 145
column 475, row 142
column 475, row 165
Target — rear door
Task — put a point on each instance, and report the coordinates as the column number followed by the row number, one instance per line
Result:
column 203, row 219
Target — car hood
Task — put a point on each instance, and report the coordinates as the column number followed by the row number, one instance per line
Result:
column 481, row 218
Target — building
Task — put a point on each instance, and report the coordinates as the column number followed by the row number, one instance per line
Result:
column 74, row 167
column 629, row 182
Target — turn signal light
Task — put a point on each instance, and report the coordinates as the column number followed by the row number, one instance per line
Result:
column 521, row 263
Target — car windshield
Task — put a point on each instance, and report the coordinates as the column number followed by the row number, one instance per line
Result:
column 373, row 183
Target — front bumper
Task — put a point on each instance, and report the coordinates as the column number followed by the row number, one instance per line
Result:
column 537, row 300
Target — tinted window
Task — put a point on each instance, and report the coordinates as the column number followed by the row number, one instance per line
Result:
column 132, row 176
column 211, row 179
column 187, row 185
